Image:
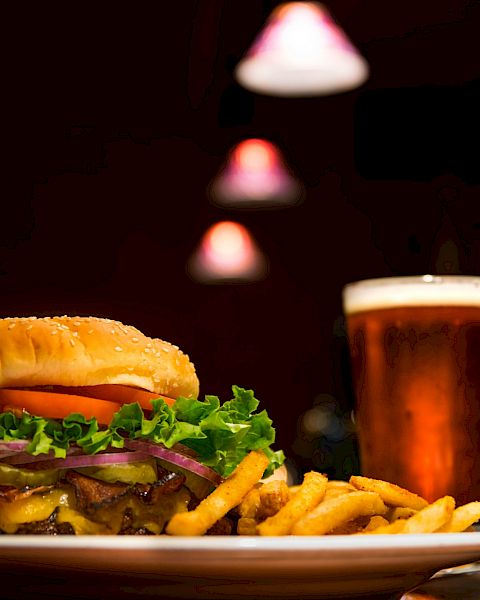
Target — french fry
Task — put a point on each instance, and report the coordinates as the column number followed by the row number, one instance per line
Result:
column 225, row 497
column 350, row 527
column 395, row 527
column 249, row 507
column 293, row 489
column 375, row 522
column 309, row 494
column 337, row 488
column 246, row 526
column 391, row 494
column 333, row 513
column 400, row 512
column 462, row 518
column 431, row 518
column 273, row 496
column 264, row 500
column 319, row 507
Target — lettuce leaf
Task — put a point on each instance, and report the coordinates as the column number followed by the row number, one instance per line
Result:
column 220, row 434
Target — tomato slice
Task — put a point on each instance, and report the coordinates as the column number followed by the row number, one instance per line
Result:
column 122, row 394
column 57, row 406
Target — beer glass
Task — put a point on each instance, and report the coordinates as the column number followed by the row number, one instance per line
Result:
column 415, row 353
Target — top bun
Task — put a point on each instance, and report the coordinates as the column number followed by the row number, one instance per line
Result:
column 80, row 351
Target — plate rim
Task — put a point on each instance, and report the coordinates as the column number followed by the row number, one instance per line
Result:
column 433, row 542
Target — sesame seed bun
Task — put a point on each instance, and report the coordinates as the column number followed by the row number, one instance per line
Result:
column 85, row 351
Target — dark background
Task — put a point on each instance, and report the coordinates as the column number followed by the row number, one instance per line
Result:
column 116, row 118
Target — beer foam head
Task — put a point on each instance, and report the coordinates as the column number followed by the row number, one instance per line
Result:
column 425, row 290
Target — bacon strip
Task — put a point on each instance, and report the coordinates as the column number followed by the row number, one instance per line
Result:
column 92, row 494
column 9, row 493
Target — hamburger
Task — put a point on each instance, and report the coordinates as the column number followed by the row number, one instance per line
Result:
column 102, row 431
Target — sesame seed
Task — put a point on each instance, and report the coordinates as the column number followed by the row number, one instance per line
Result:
column 146, row 350
column 75, row 333
column 112, row 331
column 11, row 326
column 118, row 348
column 54, row 332
column 134, row 340
column 72, row 343
column 165, row 349
column 77, row 323
column 90, row 331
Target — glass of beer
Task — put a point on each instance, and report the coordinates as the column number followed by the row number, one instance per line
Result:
column 415, row 353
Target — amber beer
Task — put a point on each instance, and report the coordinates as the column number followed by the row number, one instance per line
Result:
column 415, row 352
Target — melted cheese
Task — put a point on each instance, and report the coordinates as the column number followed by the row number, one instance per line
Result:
column 108, row 520
column 80, row 524
column 35, row 508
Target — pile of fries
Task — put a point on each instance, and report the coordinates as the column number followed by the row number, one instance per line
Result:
column 319, row 507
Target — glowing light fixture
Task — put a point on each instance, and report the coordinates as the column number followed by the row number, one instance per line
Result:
column 227, row 253
column 301, row 52
column 255, row 176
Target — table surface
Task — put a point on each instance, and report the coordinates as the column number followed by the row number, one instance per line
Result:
column 465, row 586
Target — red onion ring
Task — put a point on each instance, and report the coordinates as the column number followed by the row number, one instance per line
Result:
column 23, row 458
column 14, row 446
column 13, row 453
column 175, row 458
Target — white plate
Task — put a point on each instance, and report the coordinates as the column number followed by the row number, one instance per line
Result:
column 230, row 567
